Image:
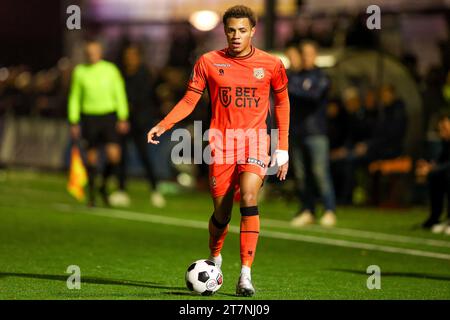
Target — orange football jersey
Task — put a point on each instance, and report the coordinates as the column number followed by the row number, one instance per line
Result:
column 239, row 87
column 239, row 90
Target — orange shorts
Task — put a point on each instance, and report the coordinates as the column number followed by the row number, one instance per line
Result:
column 224, row 177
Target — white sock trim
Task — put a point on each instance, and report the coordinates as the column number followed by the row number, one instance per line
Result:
column 245, row 271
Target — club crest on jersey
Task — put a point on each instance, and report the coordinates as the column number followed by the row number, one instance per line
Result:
column 225, row 96
column 258, row 73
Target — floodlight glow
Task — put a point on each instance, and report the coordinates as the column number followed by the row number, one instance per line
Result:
column 204, row 20
column 325, row 61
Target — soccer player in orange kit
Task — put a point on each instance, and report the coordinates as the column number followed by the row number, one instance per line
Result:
column 239, row 79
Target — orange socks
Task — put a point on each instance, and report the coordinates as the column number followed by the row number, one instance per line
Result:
column 249, row 234
column 217, row 234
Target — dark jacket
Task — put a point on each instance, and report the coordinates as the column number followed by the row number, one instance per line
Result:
column 443, row 160
column 389, row 133
column 308, row 98
column 360, row 127
column 139, row 94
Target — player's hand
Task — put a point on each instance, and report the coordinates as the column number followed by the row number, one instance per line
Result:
column 282, row 171
column 122, row 127
column 155, row 132
column 281, row 158
column 75, row 131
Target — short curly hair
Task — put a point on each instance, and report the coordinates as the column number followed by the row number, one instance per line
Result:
column 239, row 12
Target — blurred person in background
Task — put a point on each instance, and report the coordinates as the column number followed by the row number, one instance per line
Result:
column 437, row 173
column 370, row 109
column 292, row 52
column 358, row 128
column 337, row 133
column 308, row 89
column 386, row 141
column 373, row 136
column 138, row 84
column 98, row 113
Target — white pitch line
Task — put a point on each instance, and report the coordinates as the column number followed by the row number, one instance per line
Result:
column 360, row 233
column 335, row 230
column 136, row 216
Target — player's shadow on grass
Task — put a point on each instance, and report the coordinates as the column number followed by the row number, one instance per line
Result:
column 91, row 280
column 398, row 274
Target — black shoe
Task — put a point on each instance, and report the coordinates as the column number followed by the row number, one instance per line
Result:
column 429, row 223
column 91, row 200
column 105, row 196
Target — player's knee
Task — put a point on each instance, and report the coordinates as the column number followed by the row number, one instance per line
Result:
column 248, row 199
column 113, row 154
column 221, row 218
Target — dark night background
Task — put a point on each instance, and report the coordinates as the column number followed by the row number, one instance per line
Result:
column 31, row 32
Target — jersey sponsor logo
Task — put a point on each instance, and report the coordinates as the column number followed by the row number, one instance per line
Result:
column 222, row 65
column 256, row 161
column 225, row 96
column 244, row 97
column 258, row 73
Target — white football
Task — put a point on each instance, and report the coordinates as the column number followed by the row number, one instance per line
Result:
column 204, row 277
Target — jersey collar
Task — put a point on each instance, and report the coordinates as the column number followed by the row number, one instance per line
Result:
column 248, row 55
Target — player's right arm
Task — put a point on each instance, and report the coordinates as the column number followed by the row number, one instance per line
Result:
column 185, row 106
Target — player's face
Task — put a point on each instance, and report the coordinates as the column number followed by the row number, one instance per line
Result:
column 444, row 129
column 293, row 54
column 387, row 95
column 239, row 34
column 94, row 52
column 131, row 57
column 309, row 55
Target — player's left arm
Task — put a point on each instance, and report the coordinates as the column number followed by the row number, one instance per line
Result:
column 281, row 111
column 281, row 155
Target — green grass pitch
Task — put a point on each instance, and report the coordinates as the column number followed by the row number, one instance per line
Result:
column 142, row 253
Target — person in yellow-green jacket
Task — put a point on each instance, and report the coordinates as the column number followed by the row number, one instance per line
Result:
column 98, row 114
